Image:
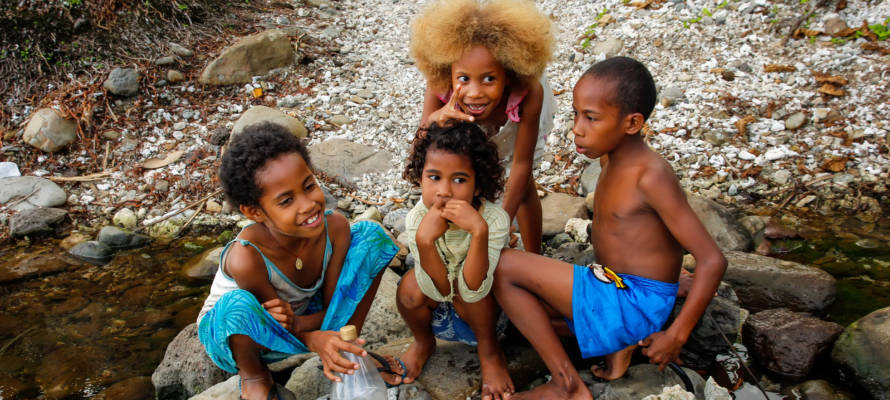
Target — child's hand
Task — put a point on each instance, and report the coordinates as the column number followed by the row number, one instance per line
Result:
column 450, row 111
column 462, row 214
column 432, row 226
column 283, row 313
column 327, row 344
column 662, row 348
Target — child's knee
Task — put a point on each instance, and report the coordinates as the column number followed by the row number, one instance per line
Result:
column 409, row 294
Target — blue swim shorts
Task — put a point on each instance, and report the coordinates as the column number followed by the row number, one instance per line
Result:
column 611, row 314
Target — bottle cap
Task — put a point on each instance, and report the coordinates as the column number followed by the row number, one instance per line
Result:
column 348, row 333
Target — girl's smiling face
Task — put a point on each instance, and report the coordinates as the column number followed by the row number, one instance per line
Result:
column 292, row 203
column 479, row 81
column 447, row 176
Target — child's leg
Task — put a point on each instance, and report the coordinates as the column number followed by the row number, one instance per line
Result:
column 417, row 310
column 616, row 364
column 256, row 380
column 481, row 316
column 522, row 282
column 529, row 216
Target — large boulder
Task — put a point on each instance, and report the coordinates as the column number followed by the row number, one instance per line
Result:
column 257, row 114
column 720, row 223
column 186, row 369
column 36, row 221
column 862, row 353
column 557, row 209
column 121, row 239
column 348, row 161
column 642, row 380
column 764, row 283
column 26, row 192
column 384, row 324
column 23, row 266
column 49, row 131
column 251, row 56
column 788, row 343
column 204, row 265
column 722, row 317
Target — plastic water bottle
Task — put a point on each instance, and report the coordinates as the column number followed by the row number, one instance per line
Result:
column 363, row 384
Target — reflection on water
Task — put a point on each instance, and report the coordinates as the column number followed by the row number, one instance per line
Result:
column 69, row 330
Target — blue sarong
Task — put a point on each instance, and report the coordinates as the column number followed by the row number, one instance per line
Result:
column 607, row 318
column 448, row 325
column 239, row 313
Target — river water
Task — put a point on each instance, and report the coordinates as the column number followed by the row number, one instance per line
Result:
column 74, row 329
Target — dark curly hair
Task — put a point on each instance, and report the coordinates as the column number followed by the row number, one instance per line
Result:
column 248, row 152
column 634, row 86
column 464, row 139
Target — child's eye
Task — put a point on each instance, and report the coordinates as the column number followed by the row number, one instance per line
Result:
column 284, row 201
column 459, row 180
column 309, row 187
column 433, row 177
column 463, row 79
column 488, row 79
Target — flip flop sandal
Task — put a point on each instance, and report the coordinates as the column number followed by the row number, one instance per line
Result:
column 385, row 368
column 683, row 377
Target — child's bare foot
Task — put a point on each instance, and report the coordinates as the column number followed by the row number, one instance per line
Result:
column 391, row 369
column 616, row 364
column 416, row 357
column 256, row 387
column 553, row 391
column 496, row 382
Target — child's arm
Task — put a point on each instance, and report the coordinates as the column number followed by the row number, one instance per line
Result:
column 468, row 218
column 524, row 149
column 664, row 195
column 431, row 228
column 440, row 113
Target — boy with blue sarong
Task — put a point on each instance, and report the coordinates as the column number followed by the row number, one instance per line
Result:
column 641, row 225
column 290, row 280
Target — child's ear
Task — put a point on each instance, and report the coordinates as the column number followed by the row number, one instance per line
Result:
column 253, row 213
column 633, row 123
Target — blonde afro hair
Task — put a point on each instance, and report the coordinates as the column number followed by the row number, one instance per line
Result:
column 516, row 33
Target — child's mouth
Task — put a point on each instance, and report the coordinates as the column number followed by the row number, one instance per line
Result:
column 312, row 221
column 475, row 108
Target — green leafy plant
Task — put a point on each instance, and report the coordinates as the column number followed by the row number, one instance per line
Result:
column 838, row 40
column 590, row 31
column 881, row 31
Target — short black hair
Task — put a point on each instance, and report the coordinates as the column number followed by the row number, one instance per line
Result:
column 634, row 86
column 248, row 152
column 464, row 139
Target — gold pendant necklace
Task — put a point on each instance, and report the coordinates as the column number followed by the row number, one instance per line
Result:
column 298, row 264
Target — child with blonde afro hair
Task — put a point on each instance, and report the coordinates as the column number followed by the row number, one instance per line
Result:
column 484, row 62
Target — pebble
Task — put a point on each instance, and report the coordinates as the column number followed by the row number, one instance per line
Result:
column 166, row 60
column 174, row 76
column 179, row 125
column 180, row 50
column 795, row 121
column 339, row 120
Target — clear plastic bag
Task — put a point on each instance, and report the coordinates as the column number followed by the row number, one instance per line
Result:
column 363, row 384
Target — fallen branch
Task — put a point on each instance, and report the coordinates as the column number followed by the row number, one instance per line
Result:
column 150, row 222
column 368, row 202
column 83, row 178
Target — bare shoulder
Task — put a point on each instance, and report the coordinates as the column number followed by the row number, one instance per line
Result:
column 243, row 261
column 338, row 228
column 656, row 173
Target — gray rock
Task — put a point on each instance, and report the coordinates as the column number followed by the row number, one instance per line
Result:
column 365, row 94
column 763, row 283
column 817, row 390
column 119, row 239
column 254, row 55
column 180, row 50
column 723, row 316
column 395, row 220
column 308, row 380
column 174, row 76
column 92, row 252
column 412, row 391
column 122, row 82
column 164, row 61
column 788, row 343
column 30, row 266
column 720, row 223
column 329, row 200
column 370, row 214
column 781, row 177
column 185, row 370
column 610, row 47
column 589, row 177
column 862, row 353
column 347, row 161
column 203, row 266
column 715, row 137
column 557, row 209
column 575, row 253
column 642, row 380
column 671, row 95
column 257, row 114
column 339, row 120
column 834, row 24
column 49, row 131
column 36, row 221
column 559, row 239
column 796, row 120
column 384, row 324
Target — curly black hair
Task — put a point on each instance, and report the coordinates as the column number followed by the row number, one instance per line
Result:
column 248, row 152
column 465, row 139
column 634, row 86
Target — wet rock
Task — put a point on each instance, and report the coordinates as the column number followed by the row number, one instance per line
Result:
column 720, row 223
column 92, row 252
column 763, row 283
column 348, row 161
column 180, row 50
column 49, row 131
column 395, row 220
column 204, row 265
column 137, row 388
column 609, row 47
column 174, row 76
column 862, row 353
column 723, row 316
column 251, row 56
column 61, row 373
column 30, row 266
column 816, row 390
column 124, row 217
column 119, row 239
column 795, row 121
column 589, row 177
column 73, row 239
column 36, row 221
column 642, row 380
column 122, row 82
column 259, row 114
column 185, row 370
column 557, row 209
column 788, row 343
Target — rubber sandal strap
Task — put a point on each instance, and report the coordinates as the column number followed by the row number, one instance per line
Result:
column 683, row 377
